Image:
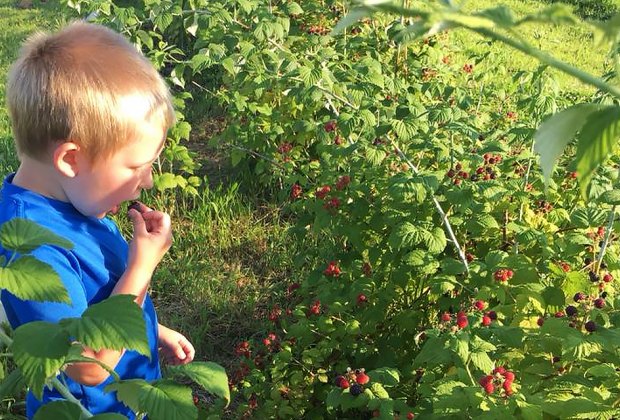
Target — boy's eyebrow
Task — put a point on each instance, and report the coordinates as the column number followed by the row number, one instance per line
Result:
column 159, row 149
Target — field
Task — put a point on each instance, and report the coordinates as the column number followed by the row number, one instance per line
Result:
column 243, row 242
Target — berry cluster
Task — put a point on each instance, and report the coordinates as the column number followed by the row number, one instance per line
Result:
column 354, row 380
column 503, row 275
column 468, row 68
column 564, row 266
column 284, row 148
column 500, row 379
column 461, row 319
column 315, row 308
column 584, row 305
column 332, row 269
column 296, row 191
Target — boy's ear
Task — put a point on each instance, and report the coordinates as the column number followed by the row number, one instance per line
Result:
column 65, row 158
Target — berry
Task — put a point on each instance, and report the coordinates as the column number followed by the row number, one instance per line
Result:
column 480, row 305
column 608, row 278
column 410, row 416
column 266, row 342
column 315, row 309
column 500, row 369
column 296, row 191
column 361, row 299
column 343, row 182
column 559, row 314
column 579, row 296
column 492, row 315
column 450, row 173
column 485, row 380
column 361, row 378
column 332, row 269
column 509, row 376
column 330, row 126
column 356, row 389
column 489, row 388
column 486, row 321
column 322, row 192
column 134, row 205
column 445, row 317
column 593, row 276
column 599, row 303
column 462, row 322
column 571, row 310
column 540, row 321
column 590, row 326
column 342, row 382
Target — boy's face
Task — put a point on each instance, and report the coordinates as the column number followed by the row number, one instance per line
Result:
column 101, row 186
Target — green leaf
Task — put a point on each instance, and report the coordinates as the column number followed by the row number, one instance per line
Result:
column 351, row 17
column 379, row 391
column 162, row 400
column 294, row 8
column 39, row 350
column 435, row 240
column 12, row 384
column 210, row 376
column 405, row 235
column 23, row 236
column 610, row 197
column 556, row 132
column 31, row 279
column 596, row 141
column 59, row 410
column 482, row 361
column 114, row 323
column 385, row 375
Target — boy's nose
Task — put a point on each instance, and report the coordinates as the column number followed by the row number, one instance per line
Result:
column 147, row 179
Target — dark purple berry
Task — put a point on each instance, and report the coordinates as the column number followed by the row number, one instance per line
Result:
column 587, row 261
column 590, row 326
column 492, row 315
column 604, row 295
column 356, row 389
column 579, row 297
column 599, row 303
column 593, row 276
column 571, row 310
column 134, row 205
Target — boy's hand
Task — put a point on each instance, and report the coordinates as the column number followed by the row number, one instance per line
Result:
column 152, row 236
column 174, row 347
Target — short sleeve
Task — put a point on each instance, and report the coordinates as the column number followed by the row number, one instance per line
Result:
column 67, row 267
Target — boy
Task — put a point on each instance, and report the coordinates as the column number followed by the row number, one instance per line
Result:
column 89, row 116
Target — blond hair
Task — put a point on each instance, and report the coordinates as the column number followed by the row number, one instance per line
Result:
column 86, row 84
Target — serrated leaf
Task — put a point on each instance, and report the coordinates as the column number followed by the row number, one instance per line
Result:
column 114, row 323
column 435, row 240
column 596, row 141
column 554, row 134
column 162, row 400
column 39, row 350
column 375, row 156
column 294, row 8
column 378, row 390
column 31, row 279
column 350, row 18
column 210, row 376
column 23, row 236
column 165, row 181
column 310, row 75
column 482, row 361
column 405, row 235
column 385, row 375
column 610, row 197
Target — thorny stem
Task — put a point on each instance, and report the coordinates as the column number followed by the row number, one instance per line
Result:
column 442, row 213
column 610, row 226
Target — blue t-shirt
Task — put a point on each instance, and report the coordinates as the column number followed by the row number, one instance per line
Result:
column 89, row 271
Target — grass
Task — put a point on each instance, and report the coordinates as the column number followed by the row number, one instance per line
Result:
column 556, row 40
column 16, row 25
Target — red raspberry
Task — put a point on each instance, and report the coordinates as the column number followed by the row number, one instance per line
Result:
column 315, row 309
column 361, row 378
column 332, row 203
column 462, row 322
column 486, row 321
column 322, row 192
column 446, row 317
column 343, row 182
column 480, row 305
column 330, row 126
column 266, row 342
column 296, row 191
column 500, row 369
column 489, row 388
column 332, row 269
column 342, row 382
column 461, row 314
column 608, row 278
column 485, row 380
column 509, row 376
column 361, row 299
column 540, row 321
column 599, row 303
column 410, row 416
column 559, row 314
